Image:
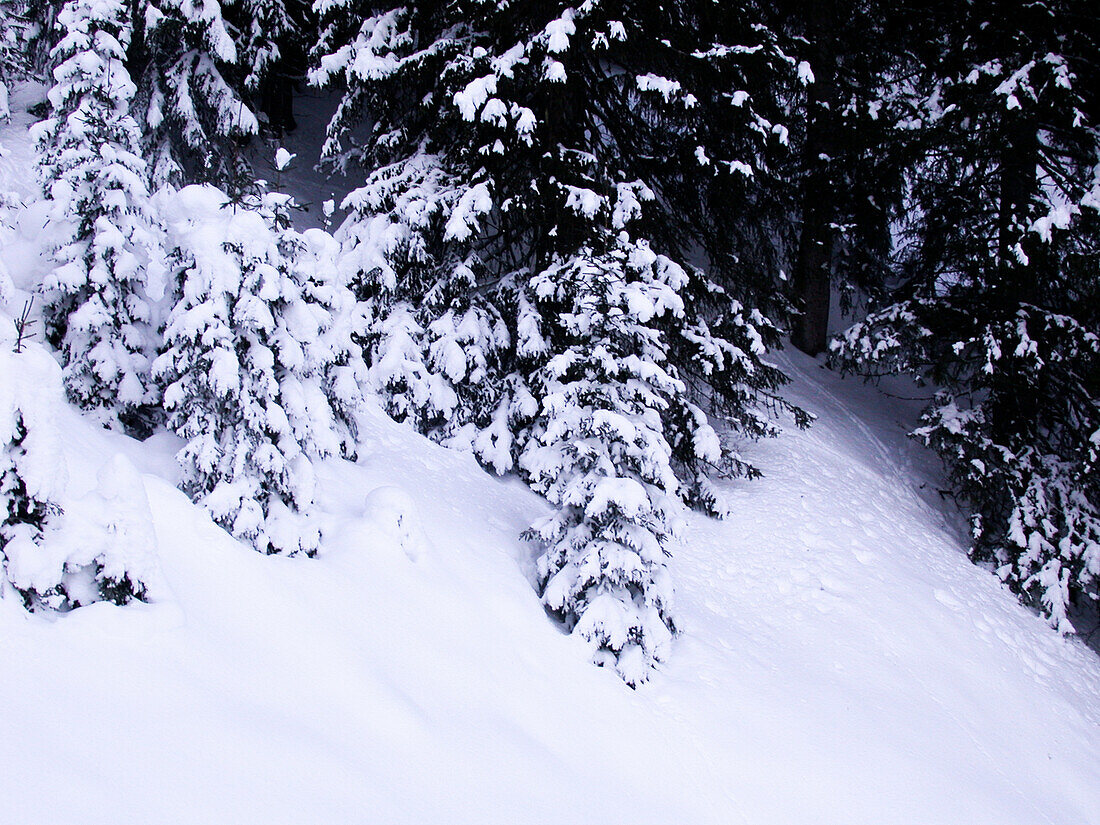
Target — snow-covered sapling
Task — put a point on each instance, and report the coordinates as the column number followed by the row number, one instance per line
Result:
column 258, row 368
column 95, row 550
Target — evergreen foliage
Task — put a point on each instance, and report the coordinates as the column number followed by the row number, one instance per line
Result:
column 258, row 369
column 521, row 254
column 41, row 33
column 1000, row 304
column 844, row 179
column 28, row 492
column 264, row 27
column 56, row 560
column 600, row 449
column 191, row 103
column 14, row 61
column 270, row 37
column 96, row 311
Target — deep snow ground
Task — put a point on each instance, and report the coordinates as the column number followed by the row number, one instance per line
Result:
column 841, row 661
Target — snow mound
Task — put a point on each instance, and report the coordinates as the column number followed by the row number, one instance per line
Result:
column 391, row 520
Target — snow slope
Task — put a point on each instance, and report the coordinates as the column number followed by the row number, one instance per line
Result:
column 841, row 661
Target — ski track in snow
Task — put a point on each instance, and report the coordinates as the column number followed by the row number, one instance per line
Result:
column 840, row 662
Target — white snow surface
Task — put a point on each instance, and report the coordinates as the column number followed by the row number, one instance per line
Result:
column 840, row 660
column 18, row 178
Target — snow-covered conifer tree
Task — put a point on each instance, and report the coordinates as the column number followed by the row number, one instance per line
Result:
column 31, row 476
column 600, row 451
column 269, row 36
column 322, row 388
column 520, row 252
column 258, row 367
column 96, row 309
column 1000, row 302
column 191, row 100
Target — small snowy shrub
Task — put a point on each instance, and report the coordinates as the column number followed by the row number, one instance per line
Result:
column 100, row 549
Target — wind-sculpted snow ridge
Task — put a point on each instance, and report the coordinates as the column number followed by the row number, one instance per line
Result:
column 840, row 662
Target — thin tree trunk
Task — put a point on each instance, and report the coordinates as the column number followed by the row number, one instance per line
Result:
column 812, row 286
column 812, row 277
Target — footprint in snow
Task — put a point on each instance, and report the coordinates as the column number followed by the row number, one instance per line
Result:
column 947, row 600
column 863, row 556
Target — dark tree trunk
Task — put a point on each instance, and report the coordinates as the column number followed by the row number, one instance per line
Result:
column 813, row 266
column 277, row 102
column 813, row 287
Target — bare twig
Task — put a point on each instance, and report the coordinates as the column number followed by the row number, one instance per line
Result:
column 22, row 324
